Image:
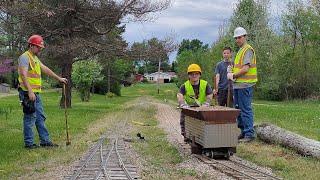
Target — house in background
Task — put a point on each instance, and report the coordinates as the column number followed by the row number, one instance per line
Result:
column 4, row 88
column 164, row 77
column 138, row 77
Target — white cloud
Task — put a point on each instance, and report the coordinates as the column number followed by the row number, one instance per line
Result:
column 190, row 19
column 182, row 22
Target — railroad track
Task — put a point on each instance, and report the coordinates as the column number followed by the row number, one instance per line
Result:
column 105, row 161
column 236, row 169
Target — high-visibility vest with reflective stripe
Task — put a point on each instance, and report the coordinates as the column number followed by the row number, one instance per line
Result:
column 33, row 74
column 190, row 92
column 251, row 75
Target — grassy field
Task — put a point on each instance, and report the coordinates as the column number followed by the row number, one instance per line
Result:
column 16, row 160
column 302, row 117
column 86, row 119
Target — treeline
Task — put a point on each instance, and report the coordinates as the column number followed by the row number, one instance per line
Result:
column 288, row 60
column 76, row 32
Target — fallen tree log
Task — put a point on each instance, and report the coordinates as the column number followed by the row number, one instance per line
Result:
column 273, row 134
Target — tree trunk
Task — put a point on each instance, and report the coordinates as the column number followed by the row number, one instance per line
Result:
column 66, row 73
column 109, row 79
column 274, row 134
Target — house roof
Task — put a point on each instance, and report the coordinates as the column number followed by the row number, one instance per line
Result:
column 161, row 73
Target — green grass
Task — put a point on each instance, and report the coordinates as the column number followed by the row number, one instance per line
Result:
column 302, row 117
column 167, row 91
column 284, row 162
column 87, row 122
column 160, row 157
column 15, row 159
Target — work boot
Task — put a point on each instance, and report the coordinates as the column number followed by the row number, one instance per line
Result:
column 246, row 139
column 33, row 146
column 186, row 140
column 49, row 144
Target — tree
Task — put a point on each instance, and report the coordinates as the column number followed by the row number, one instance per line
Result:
column 193, row 45
column 117, row 73
column 84, row 75
column 139, row 52
column 201, row 57
column 76, row 29
column 299, row 67
column 148, row 53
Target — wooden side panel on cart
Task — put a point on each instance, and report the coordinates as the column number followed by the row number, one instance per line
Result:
column 212, row 135
column 213, row 127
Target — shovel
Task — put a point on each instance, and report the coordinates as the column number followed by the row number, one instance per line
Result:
column 196, row 100
column 68, row 142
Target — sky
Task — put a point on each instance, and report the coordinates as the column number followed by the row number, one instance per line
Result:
column 192, row 19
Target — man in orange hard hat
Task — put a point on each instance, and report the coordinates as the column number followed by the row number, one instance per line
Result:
column 30, row 69
column 194, row 92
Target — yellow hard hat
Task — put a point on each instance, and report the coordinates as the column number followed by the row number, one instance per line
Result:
column 194, row 68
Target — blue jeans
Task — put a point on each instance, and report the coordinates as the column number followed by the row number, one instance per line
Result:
column 242, row 101
column 37, row 118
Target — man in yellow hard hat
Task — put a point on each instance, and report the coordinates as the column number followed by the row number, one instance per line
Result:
column 244, row 75
column 194, row 92
column 30, row 69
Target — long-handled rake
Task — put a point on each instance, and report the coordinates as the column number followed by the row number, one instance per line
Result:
column 68, row 142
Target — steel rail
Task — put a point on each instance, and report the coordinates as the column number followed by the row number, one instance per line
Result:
column 121, row 161
column 94, row 151
column 266, row 174
column 104, row 164
column 213, row 162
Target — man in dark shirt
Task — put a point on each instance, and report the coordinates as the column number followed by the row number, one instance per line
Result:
column 220, row 80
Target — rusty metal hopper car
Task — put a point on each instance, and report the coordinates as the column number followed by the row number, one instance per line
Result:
column 212, row 130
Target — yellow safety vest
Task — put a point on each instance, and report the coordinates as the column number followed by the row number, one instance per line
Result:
column 34, row 73
column 190, row 92
column 251, row 75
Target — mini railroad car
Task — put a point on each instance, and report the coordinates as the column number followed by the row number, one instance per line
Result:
column 212, row 131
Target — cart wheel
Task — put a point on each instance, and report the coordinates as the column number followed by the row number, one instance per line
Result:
column 227, row 156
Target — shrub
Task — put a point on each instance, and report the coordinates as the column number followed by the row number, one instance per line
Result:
column 84, row 75
column 110, row 95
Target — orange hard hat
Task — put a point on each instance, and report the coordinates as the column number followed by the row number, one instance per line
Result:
column 36, row 40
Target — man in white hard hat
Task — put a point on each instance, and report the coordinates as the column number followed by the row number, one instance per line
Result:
column 244, row 76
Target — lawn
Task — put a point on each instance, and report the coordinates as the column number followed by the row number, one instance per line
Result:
column 301, row 117
column 16, row 160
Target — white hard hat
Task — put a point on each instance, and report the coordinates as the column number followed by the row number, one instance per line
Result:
column 239, row 31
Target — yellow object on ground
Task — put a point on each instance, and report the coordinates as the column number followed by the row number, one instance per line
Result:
column 140, row 123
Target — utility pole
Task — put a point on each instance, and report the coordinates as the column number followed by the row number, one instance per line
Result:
column 158, row 80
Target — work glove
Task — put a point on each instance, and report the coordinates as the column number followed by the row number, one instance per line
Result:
column 184, row 105
column 229, row 69
column 230, row 76
column 215, row 92
column 206, row 104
